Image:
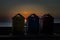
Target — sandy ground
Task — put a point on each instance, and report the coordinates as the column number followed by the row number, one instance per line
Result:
column 30, row 37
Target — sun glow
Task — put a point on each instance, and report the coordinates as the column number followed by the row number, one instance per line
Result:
column 26, row 10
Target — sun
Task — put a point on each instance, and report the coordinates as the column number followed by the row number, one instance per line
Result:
column 25, row 13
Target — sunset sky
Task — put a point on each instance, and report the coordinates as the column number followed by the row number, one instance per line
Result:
column 9, row 8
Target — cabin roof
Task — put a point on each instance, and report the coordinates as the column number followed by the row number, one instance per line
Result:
column 47, row 15
column 32, row 15
column 18, row 15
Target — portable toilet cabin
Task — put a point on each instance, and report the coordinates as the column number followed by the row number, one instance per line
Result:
column 18, row 24
column 33, row 24
column 47, row 23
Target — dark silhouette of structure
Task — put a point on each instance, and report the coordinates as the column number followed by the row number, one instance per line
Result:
column 48, row 22
column 18, row 25
column 33, row 24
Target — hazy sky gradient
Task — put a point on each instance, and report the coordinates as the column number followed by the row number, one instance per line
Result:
column 6, row 7
column 52, row 6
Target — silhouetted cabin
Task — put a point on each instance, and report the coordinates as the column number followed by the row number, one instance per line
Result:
column 33, row 24
column 47, row 23
column 18, row 24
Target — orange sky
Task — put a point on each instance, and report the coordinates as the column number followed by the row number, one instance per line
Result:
column 26, row 10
